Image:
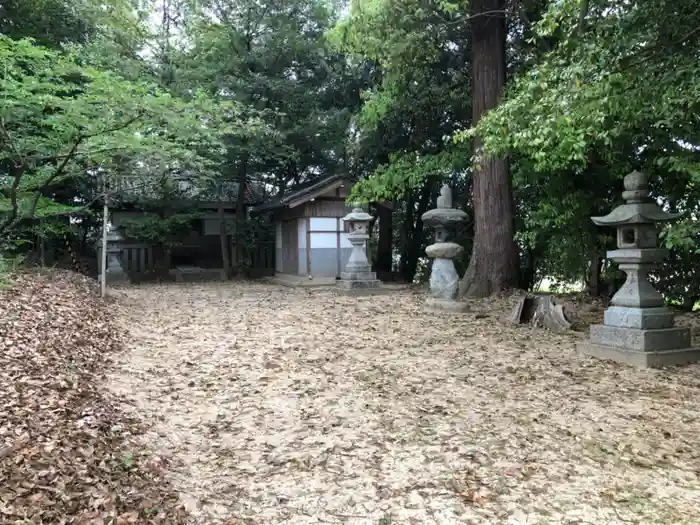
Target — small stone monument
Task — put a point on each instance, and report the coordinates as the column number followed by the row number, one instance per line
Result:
column 444, row 281
column 638, row 328
column 115, row 272
column 358, row 276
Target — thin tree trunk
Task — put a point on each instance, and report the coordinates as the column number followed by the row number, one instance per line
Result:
column 594, row 282
column 689, row 303
column 414, row 232
column 223, row 238
column 42, row 244
column 493, row 266
column 384, row 247
column 240, row 213
column 527, row 273
column 406, row 226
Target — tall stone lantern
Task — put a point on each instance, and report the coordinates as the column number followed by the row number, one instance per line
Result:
column 358, row 275
column 638, row 328
column 444, row 280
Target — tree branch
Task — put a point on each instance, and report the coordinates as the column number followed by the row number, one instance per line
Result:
column 489, row 13
column 55, row 174
column 647, row 53
column 74, row 210
column 54, row 158
column 117, row 127
column 67, row 158
column 8, row 141
column 11, row 219
column 583, row 13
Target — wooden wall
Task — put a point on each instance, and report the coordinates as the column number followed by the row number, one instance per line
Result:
column 322, row 207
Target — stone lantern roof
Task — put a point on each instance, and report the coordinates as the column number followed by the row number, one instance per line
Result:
column 357, row 215
column 444, row 215
column 639, row 208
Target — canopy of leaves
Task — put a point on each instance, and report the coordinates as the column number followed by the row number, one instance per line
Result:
column 419, row 96
column 51, row 22
column 273, row 59
column 63, row 120
column 631, row 77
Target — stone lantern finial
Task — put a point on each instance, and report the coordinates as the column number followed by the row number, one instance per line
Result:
column 444, row 201
column 635, row 181
column 638, row 328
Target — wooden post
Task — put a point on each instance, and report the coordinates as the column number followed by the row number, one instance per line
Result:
column 103, row 262
column 338, row 246
column 308, row 246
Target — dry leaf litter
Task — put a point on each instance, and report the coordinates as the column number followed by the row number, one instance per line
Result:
column 284, row 406
column 67, row 454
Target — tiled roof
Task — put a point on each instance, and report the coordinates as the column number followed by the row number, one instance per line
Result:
column 299, row 192
column 132, row 188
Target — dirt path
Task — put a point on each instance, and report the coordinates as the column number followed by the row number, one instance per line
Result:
column 280, row 406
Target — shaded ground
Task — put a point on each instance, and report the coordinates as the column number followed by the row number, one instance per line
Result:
column 290, row 406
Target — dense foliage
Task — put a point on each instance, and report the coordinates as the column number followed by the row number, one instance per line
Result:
column 618, row 91
column 390, row 92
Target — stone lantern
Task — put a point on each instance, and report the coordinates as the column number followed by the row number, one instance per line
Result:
column 115, row 272
column 358, row 275
column 638, row 328
column 444, row 280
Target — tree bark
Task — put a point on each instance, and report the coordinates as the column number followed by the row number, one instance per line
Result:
column 413, row 228
column 493, row 266
column 528, row 269
column 594, row 283
column 384, row 248
column 223, row 239
column 237, row 252
column 406, row 226
column 689, row 303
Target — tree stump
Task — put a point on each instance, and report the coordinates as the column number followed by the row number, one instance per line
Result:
column 540, row 310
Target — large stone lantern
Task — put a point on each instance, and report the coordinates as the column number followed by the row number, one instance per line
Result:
column 358, row 274
column 638, row 328
column 444, row 280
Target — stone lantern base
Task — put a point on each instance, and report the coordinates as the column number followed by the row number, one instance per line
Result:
column 446, row 305
column 641, row 359
column 640, row 346
column 359, row 282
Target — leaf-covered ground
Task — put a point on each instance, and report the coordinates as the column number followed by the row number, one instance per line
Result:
column 283, row 406
column 68, row 455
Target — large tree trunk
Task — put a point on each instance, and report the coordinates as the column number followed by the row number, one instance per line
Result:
column 493, row 266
